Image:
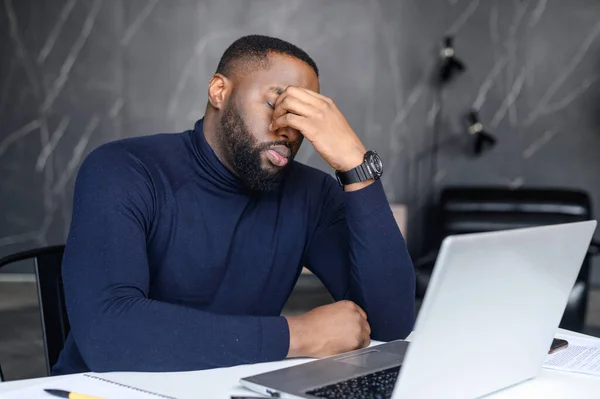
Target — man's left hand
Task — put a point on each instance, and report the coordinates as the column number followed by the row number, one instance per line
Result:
column 321, row 122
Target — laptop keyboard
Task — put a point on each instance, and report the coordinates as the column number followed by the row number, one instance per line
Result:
column 378, row 385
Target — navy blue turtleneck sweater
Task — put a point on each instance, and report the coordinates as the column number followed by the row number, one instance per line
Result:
column 171, row 264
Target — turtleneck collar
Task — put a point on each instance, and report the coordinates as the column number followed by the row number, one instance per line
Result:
column 210, row 163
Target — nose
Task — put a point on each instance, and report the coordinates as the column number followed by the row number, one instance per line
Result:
column 288, row 134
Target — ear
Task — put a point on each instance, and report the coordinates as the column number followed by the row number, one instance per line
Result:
column 219, row 89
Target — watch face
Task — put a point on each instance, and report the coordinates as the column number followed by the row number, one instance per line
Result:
column 375, row 163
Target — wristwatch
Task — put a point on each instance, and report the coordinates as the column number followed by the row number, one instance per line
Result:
column 371, row 168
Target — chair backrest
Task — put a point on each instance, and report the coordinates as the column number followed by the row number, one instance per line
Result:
column 55, row 324
column 477, row 209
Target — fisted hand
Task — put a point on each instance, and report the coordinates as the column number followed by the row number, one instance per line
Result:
column 329, row 330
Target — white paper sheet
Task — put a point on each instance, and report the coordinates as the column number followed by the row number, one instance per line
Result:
column 88, row 384
column 581, row 356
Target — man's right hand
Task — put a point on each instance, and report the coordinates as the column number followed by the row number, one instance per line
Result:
column 329, row 330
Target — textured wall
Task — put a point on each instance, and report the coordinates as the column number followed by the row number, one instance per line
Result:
column 77, row 73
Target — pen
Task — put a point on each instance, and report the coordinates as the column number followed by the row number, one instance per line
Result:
column 69, row 395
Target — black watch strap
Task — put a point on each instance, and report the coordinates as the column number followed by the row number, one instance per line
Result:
column 361, row 173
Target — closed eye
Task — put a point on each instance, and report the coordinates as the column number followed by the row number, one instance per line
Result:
column 270, row 105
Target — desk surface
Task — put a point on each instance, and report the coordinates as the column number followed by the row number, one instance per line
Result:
column 224, row 382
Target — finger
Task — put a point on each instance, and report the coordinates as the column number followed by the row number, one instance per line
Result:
column 363, row 341
column 321, row 99
column 367, row 328
column 294, row 121
column 314, row 94
column 299, row 93
column 366, row 341
column 362, row 312
column 294, row 105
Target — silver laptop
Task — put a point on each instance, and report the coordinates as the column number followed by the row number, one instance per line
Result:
column 488, row 318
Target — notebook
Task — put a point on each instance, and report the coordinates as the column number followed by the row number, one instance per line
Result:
column 92, row 384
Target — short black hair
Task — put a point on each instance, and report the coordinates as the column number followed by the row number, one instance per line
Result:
column 256, row 48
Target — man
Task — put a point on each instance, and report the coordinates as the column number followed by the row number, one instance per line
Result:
column 184, row 248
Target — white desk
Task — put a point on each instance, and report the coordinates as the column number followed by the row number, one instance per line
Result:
column 222, row 383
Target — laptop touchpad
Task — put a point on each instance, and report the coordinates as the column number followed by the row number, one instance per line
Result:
column 372, row 358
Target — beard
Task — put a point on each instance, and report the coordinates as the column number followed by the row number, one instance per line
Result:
column 243, row 152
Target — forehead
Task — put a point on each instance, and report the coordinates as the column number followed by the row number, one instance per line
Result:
column 281, row 71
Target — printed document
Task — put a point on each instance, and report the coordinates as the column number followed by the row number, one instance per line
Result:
column 582, row 355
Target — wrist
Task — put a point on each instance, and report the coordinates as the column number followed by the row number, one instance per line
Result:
column 358, row 186
column 297, row 338
column 351, row 161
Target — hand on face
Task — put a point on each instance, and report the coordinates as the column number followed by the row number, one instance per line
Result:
column 321, row 122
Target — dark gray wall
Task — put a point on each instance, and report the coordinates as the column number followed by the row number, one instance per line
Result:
column 77, row 73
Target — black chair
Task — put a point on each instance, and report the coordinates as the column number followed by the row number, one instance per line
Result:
column 478, row 209
column 55, row 324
